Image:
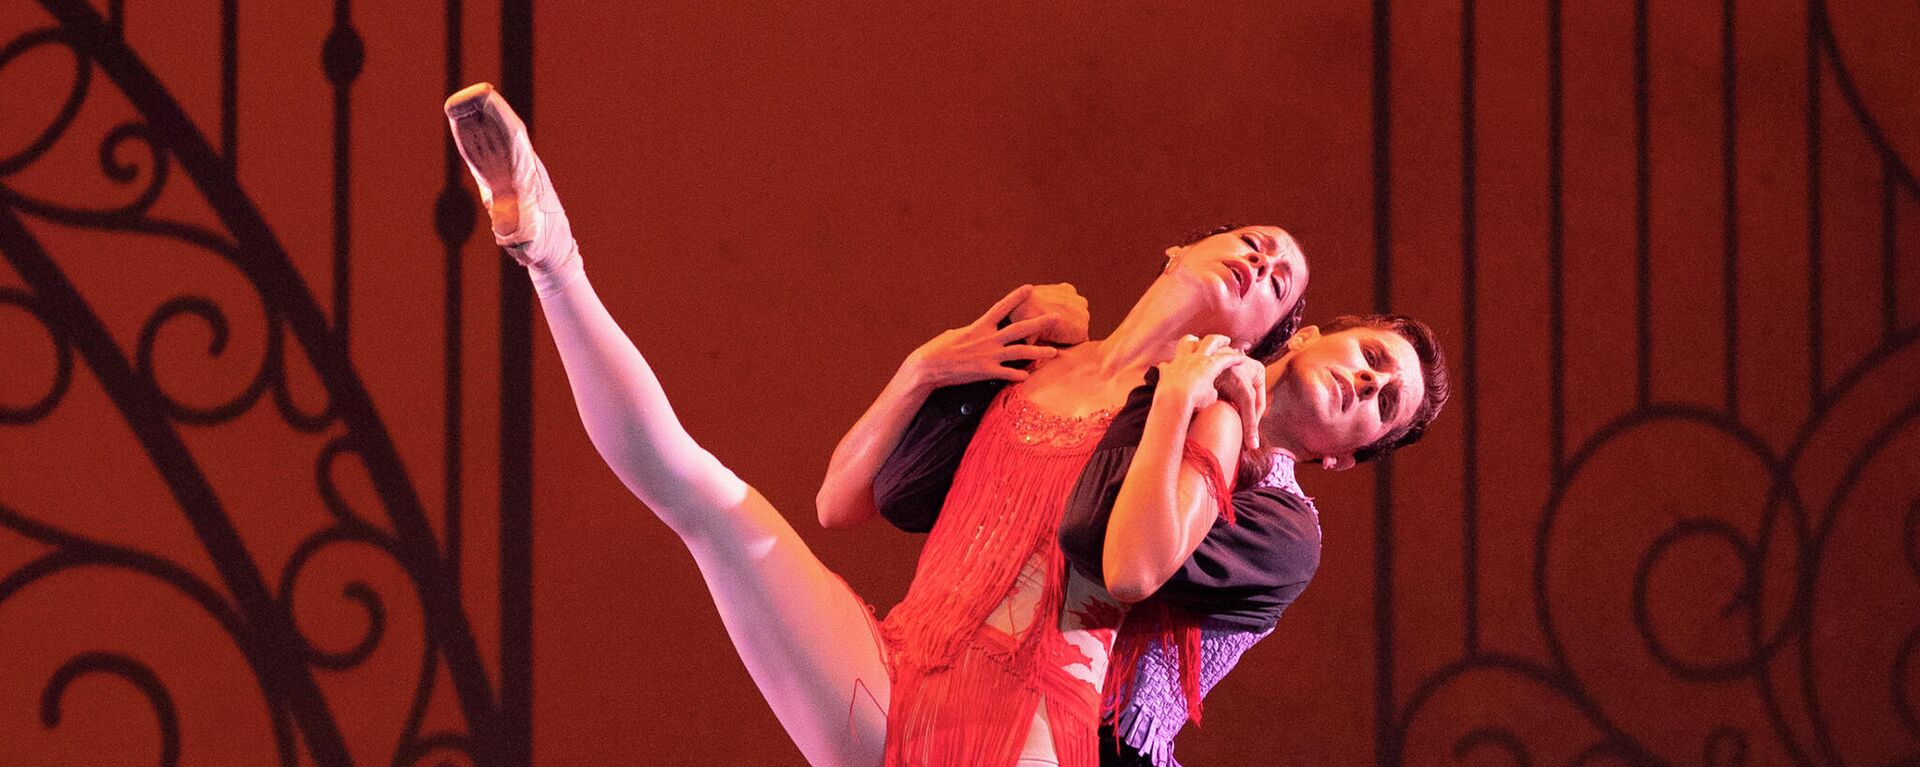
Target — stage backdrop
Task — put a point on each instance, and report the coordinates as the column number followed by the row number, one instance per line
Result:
column 289, row 473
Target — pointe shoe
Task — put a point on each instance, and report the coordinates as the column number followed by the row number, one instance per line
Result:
column 525, row 213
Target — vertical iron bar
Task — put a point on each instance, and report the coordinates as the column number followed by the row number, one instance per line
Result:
column 1815, row 326
column 342, row 59
column 1730, row 207
column 1556, row 254
column 454, row 217
column 1387, row 748
column 230, row 81
column 516, row 431
column 1469, row 331
column 1642, row 206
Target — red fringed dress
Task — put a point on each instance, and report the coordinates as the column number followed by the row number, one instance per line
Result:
column 1255, row 561
column 995, row 628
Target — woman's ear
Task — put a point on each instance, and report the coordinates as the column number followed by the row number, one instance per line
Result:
column 1337, row 462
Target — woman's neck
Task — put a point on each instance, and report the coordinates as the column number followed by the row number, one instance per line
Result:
column 1145, row 337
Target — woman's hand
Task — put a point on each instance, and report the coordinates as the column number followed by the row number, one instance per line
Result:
column 1208, row 370
column 976, row 351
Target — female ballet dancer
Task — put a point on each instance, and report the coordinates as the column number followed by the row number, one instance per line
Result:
column 984, row 661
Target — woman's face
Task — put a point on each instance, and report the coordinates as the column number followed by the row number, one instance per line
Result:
column 1248, row 279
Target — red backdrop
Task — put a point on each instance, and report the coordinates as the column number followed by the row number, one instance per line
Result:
column 1671, row 248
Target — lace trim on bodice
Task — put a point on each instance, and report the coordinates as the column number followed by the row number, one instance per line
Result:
column 1033, row 425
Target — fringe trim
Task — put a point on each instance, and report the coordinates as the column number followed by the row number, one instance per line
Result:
column 967, row 713
column 972, row 713
column 1219, row 485
column 1005, row 508
column 1076, row 741
column 1171, row 633
column 965, row 693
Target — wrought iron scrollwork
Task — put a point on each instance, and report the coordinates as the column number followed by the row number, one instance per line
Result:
column 1690, row 575
column 259, row 613
column 135, row 673
column 63, row 362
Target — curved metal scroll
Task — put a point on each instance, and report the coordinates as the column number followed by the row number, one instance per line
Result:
column 255, row 608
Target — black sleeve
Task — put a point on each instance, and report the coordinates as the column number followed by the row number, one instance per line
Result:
column 1083, row 528
column 1243, row 575
column 1246, row 573
column 912, row 484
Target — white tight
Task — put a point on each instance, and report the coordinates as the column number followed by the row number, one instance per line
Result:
column 806, row 639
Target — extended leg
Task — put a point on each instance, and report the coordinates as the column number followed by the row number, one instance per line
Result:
column 805, row 638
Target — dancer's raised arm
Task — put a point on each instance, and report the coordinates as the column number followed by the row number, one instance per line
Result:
column 1181, row 475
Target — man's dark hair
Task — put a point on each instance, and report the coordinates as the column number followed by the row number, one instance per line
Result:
column 1433, row 370
column 1269, row 347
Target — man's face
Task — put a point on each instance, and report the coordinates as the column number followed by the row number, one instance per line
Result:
column 1334, row 394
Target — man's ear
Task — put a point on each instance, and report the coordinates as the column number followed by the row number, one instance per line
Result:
column 1337, row 462
column 1305, row 335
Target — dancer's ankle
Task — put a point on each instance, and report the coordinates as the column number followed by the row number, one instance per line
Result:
column 551, row 275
